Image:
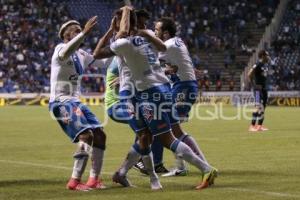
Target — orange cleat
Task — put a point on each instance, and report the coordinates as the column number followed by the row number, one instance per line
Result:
column 252, row 129
column 208, row 179
column 95, row 183
column 262, row 128
column 75, row 184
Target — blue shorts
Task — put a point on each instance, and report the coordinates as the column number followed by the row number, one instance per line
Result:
column 122, row 111
column 184, row 95
column 152, row 110
column 73, row 117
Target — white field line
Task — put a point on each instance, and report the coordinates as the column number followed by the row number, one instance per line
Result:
column 267, row 193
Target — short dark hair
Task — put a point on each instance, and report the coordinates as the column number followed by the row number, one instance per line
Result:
column 142, row 13
column 169, row 25
column 262, row 53
column 133, row 20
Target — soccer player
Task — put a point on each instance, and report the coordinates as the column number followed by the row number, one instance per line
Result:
column 157, row 148
column 258, row 78
column 184, row 87
column 77, row 121
column 153, row 94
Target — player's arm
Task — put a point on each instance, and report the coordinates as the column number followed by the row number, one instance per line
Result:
column 102, row 50
column 124, row 23
column 158, row 43
column 251, row 78
column 74, row 44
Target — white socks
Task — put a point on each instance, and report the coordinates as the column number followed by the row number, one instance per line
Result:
column 97, row 162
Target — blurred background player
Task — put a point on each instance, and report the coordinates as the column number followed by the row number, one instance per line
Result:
column 258, row 77
column 77, row 121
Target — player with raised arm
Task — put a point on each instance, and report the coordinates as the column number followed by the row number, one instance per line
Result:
column 184, row 87
column 78, row 122
column 142, row 148
column 258, row 78
column 153, row 92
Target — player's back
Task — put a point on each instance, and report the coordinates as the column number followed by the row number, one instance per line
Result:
column 260, row 74
column 177, row 54
column 140, row 57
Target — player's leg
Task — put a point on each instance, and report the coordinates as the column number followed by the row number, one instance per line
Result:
column 183, row 99
column 97, row 153
column 75, row 125
column 186, row 153
column 255, row 114
column 140, row 149
column 264, row 97
column 159, row 125
column 158, row 150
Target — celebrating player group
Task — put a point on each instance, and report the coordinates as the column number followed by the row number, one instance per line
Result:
column 150, row 85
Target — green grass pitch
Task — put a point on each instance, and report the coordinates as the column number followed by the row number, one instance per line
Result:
column 35, row 161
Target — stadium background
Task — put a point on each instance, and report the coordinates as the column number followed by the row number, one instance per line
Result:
column 223, row 38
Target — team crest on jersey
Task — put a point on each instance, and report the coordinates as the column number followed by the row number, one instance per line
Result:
column 148, row 113
column 138, row 41
column 180, row 97
column 178, row 42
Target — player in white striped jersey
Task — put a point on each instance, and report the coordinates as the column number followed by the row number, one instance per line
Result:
column 153, row 94
column 184, row 87
column 77, row 121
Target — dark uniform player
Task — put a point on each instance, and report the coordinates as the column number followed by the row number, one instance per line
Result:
column 258, row 78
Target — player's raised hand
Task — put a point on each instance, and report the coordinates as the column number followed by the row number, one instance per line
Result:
column 126, row 8
column 89, row 25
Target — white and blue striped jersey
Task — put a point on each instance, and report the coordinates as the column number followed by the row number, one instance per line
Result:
column 140, row 57
column 64, row 73
column 178, row 54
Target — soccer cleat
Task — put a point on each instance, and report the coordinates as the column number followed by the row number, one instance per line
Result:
column 155, row 184
column 95, row 183
column 75, row 184
column 208, row 179
column 253, row 128
column 176, row 172
column 262, row 128
column 140, row 166
column 117, row 178
column 160, row 168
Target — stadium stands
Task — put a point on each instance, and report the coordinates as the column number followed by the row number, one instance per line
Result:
column 219, row 34
column 285, row 72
